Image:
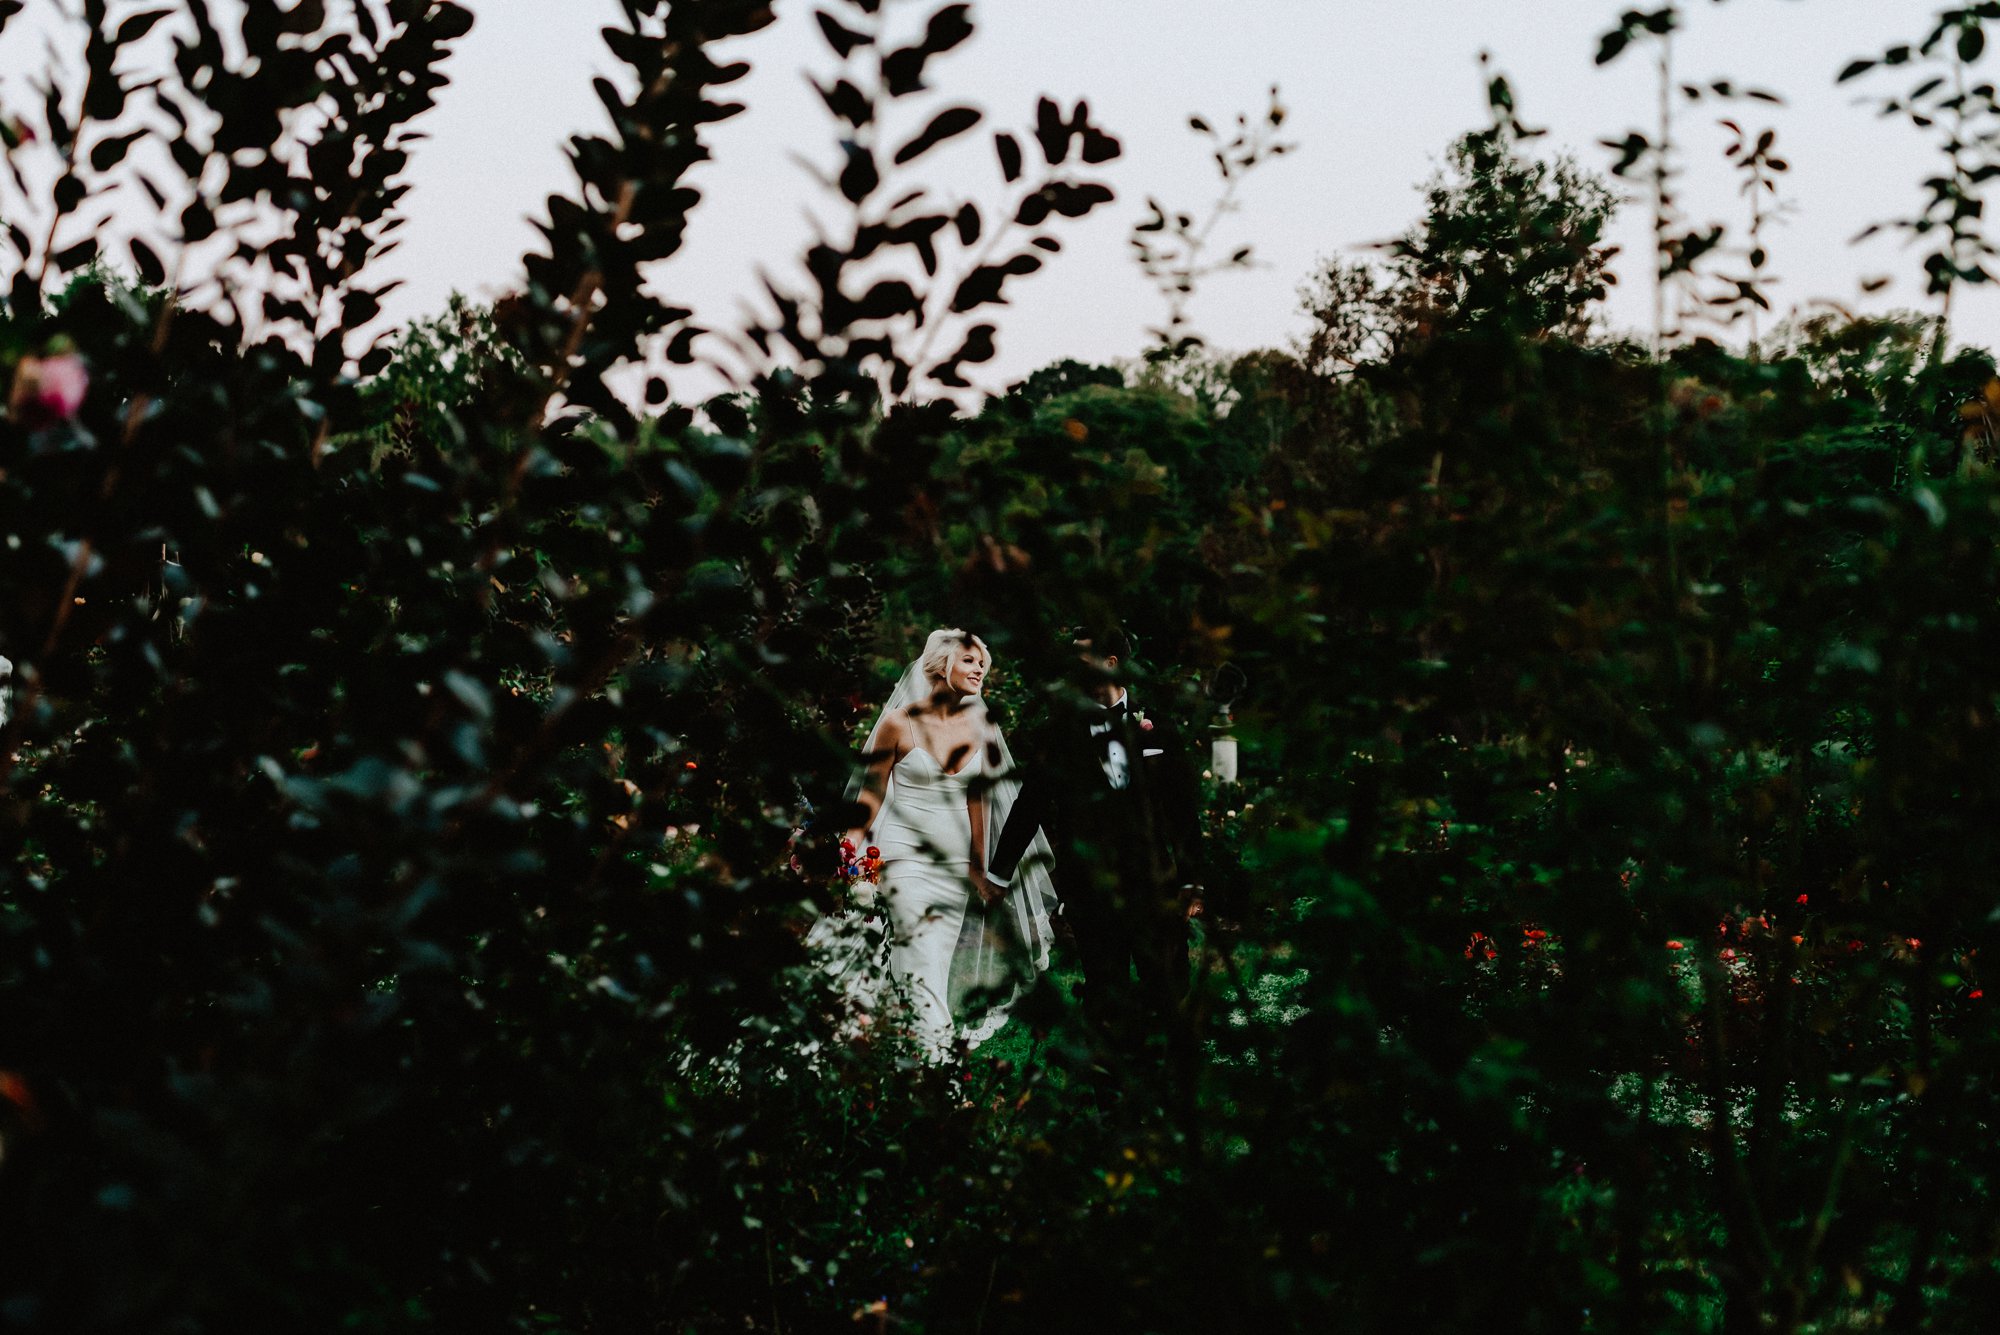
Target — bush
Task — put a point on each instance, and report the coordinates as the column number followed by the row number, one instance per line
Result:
column 408, row 739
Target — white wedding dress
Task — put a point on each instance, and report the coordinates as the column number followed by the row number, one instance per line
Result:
column 959, row 964
column 925, row 834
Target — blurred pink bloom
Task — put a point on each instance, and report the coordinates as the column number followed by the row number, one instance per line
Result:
column 48, row 390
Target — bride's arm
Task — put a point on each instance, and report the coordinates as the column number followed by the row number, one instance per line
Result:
column 885, row 748
column 975, row 808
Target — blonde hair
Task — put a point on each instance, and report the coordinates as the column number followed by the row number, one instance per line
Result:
column 943, row 646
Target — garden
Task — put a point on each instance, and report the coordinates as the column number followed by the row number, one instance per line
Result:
column 413, row 742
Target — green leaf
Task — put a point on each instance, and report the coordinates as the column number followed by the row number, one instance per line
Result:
column 1009, row 150
column 947, row 124
column 842, row 39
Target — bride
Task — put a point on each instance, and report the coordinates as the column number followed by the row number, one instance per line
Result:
column 935, row 793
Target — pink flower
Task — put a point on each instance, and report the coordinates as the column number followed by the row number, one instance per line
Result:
column 1145, row 725
column 48, row 390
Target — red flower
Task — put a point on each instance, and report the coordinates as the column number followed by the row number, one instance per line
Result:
column 15, row 1090
column 1675, row 945
column 1801, row 899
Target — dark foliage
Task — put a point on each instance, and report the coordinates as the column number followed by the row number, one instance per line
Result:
column 407, row 741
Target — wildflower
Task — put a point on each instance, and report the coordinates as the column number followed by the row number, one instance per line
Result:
column 1676, row 945
column 48, row 390
column 15, row 1090
column 1976, row 993
column 1801, row 899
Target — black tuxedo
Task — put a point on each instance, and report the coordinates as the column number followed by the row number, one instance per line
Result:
column 1123, row 854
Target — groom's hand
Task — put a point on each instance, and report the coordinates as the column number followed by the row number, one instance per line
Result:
column 989, row 890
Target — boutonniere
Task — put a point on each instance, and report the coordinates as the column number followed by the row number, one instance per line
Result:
column 1145, row 724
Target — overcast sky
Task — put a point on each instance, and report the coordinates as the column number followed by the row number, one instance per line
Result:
column 1376, row 89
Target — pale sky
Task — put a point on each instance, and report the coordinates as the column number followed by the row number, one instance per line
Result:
column 1376, row 89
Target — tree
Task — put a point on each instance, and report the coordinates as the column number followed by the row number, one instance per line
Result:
column 1064, row 377
column 1507, row 244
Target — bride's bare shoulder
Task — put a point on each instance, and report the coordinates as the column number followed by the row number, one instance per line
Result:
column 895, row 726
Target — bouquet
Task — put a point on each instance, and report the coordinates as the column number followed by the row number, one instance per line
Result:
column 860, row 869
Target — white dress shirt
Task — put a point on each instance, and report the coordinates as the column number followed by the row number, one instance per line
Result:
column 1117, row 761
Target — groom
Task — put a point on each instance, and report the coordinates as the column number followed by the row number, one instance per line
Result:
column 1119, row 802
